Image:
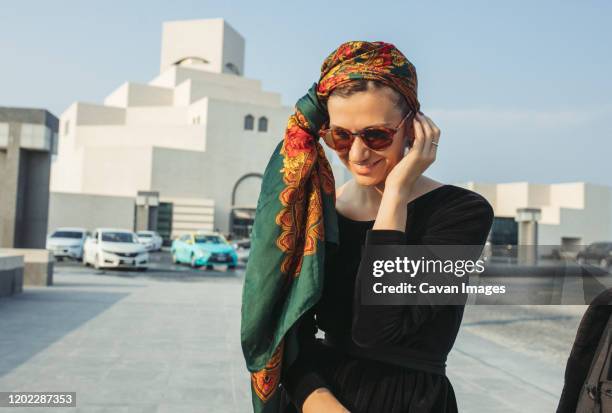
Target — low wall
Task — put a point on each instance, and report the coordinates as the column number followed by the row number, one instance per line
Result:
column 11, row 274
column 38, row 265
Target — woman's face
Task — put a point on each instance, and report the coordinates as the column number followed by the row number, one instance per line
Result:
column 374, row 107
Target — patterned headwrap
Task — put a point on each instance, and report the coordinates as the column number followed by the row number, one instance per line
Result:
column 296, row 217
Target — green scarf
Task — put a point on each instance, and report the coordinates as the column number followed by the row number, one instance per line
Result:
column 274, row 299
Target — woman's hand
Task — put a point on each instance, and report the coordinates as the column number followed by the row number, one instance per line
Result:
column 323, row 401
column 422, row 154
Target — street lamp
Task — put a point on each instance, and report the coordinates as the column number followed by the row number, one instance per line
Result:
column 527, row 219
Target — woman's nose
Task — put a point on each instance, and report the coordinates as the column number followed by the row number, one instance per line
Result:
column 359, row 151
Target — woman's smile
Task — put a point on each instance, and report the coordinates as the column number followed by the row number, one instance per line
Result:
column 365, row 168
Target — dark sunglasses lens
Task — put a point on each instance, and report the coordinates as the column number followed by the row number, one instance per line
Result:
column 327, row 138
column 377, row 138
column 342, row 138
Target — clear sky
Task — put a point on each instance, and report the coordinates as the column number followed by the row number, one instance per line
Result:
column 521, row 90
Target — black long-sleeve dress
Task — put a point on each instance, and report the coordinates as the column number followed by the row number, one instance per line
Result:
column 401, row 367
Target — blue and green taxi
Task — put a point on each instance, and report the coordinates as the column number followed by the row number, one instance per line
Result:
column 203, row 249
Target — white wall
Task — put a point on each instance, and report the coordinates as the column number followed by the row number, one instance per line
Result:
column 90, row 211
column 233, row 50
column 157, row 116
column 93, row 114
column 116, row 171
column 136, row 94
column 175, row 75
column 191, row 214
column 571, row 194
column 574, row 209
column 191, row 91
column 67, row 165
column 210, row 39
column 185, row 136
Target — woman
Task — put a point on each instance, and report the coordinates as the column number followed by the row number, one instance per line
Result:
column 374, row 358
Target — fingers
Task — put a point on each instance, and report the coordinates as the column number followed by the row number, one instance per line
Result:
column 419, row 135
column 434, row 128
column 420, row 156
column 428, row 133
column 431, row 133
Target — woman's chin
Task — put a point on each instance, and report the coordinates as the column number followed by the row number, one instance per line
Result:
column 366, row 180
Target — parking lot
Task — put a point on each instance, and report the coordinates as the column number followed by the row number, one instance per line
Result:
column 167, row 340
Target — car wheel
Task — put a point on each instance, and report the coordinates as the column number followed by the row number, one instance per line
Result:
column 194, row 263
column 210, row 267
column 142, row 269
column 231, row 267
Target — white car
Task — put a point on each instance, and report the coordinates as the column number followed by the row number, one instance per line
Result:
column 115, row 248
column 150, row 239
column 243, row 248
column 67, row 243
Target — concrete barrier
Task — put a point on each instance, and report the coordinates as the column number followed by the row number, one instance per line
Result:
column 38, row 265
column 11, row 274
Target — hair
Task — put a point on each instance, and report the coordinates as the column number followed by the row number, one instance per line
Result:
column 363, row 85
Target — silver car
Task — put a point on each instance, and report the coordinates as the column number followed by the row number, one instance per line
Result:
column 150, row 239
column 67, row 243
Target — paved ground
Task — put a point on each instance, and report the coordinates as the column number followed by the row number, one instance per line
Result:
column 512, row 358
column 168, row 341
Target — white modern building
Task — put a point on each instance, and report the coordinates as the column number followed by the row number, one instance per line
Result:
column 194, row 134
column 571, row 214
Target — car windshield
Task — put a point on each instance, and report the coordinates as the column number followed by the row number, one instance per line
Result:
column 67, row 234
column 211, row 239
column 117, row 237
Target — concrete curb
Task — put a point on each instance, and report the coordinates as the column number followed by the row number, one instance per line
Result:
column 11, row 274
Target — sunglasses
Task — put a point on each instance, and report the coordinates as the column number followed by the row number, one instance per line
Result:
column 374, row 137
